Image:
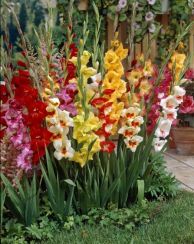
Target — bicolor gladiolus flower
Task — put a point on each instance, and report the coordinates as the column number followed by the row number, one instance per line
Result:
column 130, row 113
column 134, row 76
column 96, row 78
column 107, row 146
column 169, row 103
column 179, row 92
column 163, row 128
column 129, row 131
column 137, row 121
column 148, row 68
column 132, row 143
column 158, row 144
column 63, row 148
column 170, row 115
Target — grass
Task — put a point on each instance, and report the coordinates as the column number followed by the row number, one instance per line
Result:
column 172, row 222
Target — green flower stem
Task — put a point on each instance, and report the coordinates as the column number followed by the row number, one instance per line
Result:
column 131, row 35
column 80, row 81
column 69, row 37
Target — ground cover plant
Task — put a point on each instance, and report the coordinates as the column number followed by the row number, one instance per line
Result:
column 82, row 138
column 178, row 212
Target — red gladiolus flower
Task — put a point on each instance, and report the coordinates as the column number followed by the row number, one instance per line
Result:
column 26, row 94
column 73, row 50
column 101, row 132
column 3, row 93
column 21, row 63
column 24, row 73
column 98, row 101
column 36, row 112
column 2, row 132
column 107, row 146
column 104, row 110
column 40, row 139
column 108, row 91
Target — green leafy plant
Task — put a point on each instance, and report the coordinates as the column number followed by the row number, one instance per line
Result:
column 179, row 17
column 122, row 218
column 77, row 22
column 135, row 13
column 160, row 183
column 43, row 230
column 23, row 200
column 2, row 196
column 56, row 189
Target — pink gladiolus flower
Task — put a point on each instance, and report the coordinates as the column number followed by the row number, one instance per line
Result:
column 17, row 134
column 66, row 96
column 189, row 74
column 187, row 107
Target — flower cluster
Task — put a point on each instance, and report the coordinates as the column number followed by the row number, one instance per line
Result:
column 85, row 122
column 108, row 103
column 58, row 123
column 66, row 96
column 25, row 115
column 16, row 132
column 88, row 142
column 162, row 90
column 169, row 106
column 177, row 65
column 132, row 122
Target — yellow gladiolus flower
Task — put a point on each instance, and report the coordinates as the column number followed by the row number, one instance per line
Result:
column 121, row 52
column 134, row 76
column 148, row 68
column 85, row 57
column 84, row 154
column 87, row 72
column 111, row 76
column 115, row 43
column 111, row 60
column 145, row 87
column 177, row 63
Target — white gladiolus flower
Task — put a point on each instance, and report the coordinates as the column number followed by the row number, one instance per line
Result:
column 129, row 131
column 57, row 143
column 130, row 113
column 170, row 115
column 52, row 120
column 54, row 101
column 56, row 129
column 96, row 78
column 64, row 118
column 63, row 151
column 137, row 121
column 169, row 103
column 163, row 129
column 158, row 144
column 108, row 128
column 133, row 142
column 179, row 92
